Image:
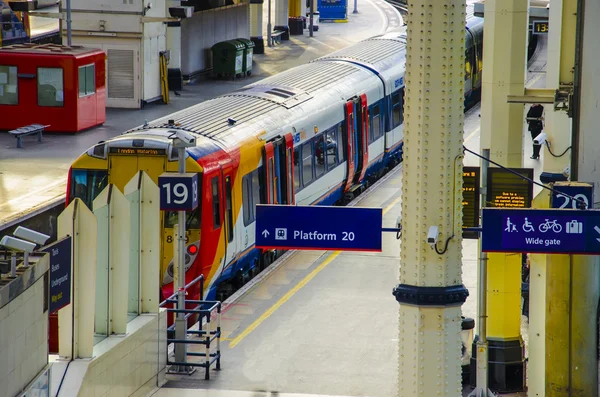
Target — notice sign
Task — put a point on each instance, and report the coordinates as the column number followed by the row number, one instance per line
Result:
column 470, row 200
column 507, row 190
column 60, row 274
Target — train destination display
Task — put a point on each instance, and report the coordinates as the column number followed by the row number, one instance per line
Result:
column 470, row 200
column 507, row 190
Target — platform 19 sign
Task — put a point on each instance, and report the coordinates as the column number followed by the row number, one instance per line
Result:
column 178, row 192
column 60, row 274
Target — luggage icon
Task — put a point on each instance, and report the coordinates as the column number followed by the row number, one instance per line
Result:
column 574, row 227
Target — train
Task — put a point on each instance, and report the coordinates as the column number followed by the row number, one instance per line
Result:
column 24, row 27
column 316, row 134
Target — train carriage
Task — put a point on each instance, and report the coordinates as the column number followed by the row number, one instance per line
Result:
column 316, row 134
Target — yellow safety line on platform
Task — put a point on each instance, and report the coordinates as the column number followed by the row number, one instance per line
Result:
column 296, row 288
column 472, row 134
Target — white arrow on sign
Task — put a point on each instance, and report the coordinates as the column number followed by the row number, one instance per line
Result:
column 597, row 229
column 265, row 233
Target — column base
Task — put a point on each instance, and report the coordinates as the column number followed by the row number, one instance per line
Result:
column 506, row 365
column 259, row 44
column 175, row 79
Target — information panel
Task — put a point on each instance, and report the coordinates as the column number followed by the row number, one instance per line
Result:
column 507, row 190
column 540, row 27
column 470, row 200
column 60, row 274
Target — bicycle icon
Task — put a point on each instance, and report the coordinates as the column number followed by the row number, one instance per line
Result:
column 556, row 228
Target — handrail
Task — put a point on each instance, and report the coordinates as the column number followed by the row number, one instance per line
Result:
column 194, row 281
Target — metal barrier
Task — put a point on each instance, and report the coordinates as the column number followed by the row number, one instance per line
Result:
column 205, row 310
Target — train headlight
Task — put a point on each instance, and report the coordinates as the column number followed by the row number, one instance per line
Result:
column 189, row 259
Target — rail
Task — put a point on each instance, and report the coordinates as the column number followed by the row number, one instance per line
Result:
column 204, row 309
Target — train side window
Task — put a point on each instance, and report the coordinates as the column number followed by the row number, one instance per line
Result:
column 216, row 203
column 297, row 170
column 307, row 163
column 397, row 108
column 87, row 185
column 229, row 208
column 247, row 198
column 87, row 80
column 9, row 85
column 332, row 149
column 50, row 87
column 339, row 132
column 256, row 192
column 375, row 130
column 320, row 152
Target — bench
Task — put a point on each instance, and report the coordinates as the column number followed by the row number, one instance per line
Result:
column 276, row 36
column 31, row 129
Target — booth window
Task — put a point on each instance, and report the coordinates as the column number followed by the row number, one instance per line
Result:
column 87, row 80
column 9, row 94
column 50, row 85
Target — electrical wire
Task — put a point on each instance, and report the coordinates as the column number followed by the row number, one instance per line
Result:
column 582, row 203
column 552, row 153
column 445, row 246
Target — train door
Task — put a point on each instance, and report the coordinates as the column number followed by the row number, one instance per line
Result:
column 349, row 133
column 278, row 160
column 362, row 135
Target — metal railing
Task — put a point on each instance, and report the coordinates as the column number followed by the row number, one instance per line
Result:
column 206, row 310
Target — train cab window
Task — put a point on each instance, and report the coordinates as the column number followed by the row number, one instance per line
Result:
column 229, row 208
column 87, row 185
column 297, row 170
column 9, row 85
column 307, row 163
column 469, row 57
column 320, row 152
column 375, row 127
column 332, row 149
column 216, row 203
column 87, row 80
column 50, row 87
column 397, row 107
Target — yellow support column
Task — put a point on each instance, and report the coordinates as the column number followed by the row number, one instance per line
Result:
column 504, row 68
column 295, row 7
column 431, row 291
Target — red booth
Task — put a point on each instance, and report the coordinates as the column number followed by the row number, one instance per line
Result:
column 57, row 86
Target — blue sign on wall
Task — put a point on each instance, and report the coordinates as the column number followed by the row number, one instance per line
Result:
column 578, row 190
column 60, row 274
column 544, row 231
column 178, row 192
column 318, row 227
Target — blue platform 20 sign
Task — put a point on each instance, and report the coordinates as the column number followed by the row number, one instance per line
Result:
column 572, row 195
column 543, row 231
column 178, row 192
column 60, row 274
column 318, row 227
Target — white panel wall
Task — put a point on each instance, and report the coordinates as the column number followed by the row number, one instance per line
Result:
column 200, row 33
column 23, row 340
column 131, row 364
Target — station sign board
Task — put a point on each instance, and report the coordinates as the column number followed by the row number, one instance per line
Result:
column 178, row 192
column 60, row 274
column 318, row 228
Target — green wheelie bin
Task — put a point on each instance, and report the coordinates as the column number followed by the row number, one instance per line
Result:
column 248, row 53
column 228, row 58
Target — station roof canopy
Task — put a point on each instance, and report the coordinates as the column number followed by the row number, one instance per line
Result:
column 538, row 9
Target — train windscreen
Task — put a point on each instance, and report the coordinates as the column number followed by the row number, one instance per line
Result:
column 87, row 185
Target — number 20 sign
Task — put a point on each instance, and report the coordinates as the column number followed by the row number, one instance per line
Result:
column 178, row 192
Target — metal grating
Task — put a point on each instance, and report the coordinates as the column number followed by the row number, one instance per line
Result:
column 120, row 74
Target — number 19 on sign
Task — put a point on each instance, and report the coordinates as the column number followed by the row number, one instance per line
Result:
column 178, row 192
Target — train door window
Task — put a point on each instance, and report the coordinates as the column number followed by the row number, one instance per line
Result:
column 332, row 149
column 289, row 176
column 50, row 87
column 340, row 139
column 297, row 170
column 307, row 163
column 397, row 108
column 229, row 208
column 272, row 182
column 375, row 130
column 9, row 85
column 216, row 203
column 320, row 151
column 247, row 198
column 87, row 80
column 256, row 192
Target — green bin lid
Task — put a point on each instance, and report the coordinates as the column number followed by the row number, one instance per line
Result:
column 247, row 42
column 229, row 44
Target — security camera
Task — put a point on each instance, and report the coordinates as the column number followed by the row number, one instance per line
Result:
column 432, row 235
column 182, row 139
column 17, row 244
column 540, row 139
column 149, row 5
column 31, row 235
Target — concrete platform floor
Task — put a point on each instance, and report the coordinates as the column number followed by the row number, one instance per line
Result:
column 36, row 174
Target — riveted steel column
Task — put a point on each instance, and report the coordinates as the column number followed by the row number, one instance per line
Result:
column 431, row 290
column 504, row 70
